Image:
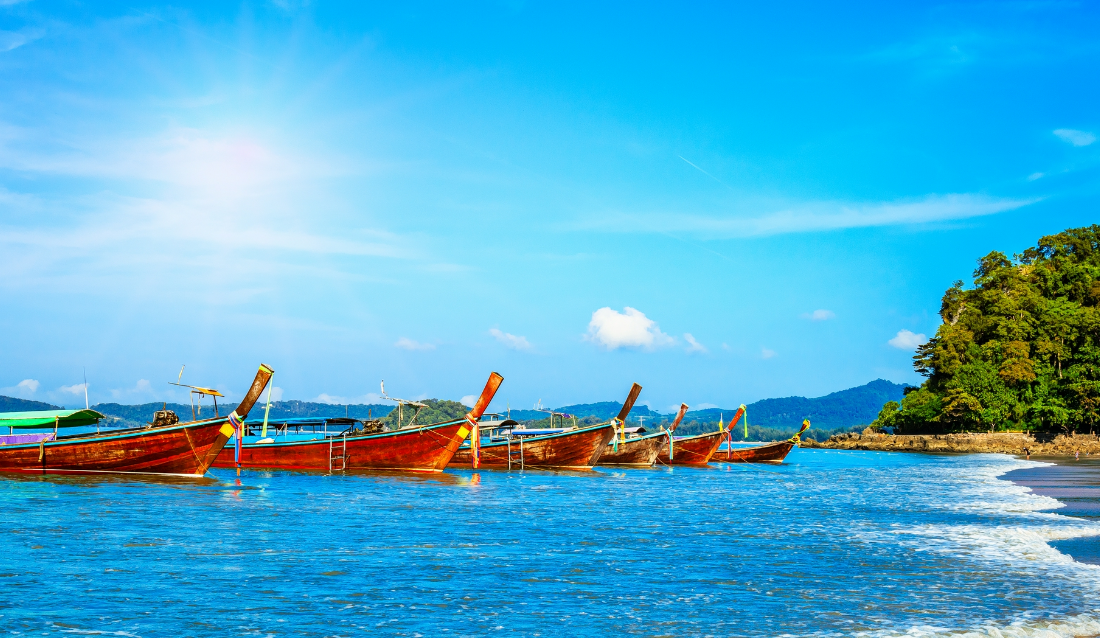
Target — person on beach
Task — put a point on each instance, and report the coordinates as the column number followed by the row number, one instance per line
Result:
column 1077, row 455
column 1027, row 454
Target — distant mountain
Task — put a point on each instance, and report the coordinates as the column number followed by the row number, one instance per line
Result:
column 11, row 404
column 843, row 409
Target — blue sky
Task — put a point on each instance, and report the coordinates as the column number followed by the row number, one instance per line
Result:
column 721, row 202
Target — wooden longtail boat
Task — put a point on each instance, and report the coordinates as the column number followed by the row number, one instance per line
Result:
column 185, row 449
column 692, row 450
column 421, row 448
column 767, row 453
column 577, row 449
column 636, row 451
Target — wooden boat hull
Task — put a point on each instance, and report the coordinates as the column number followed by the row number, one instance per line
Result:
column 184, row 449
column 423, row 449
column 768, row 453
column 640, row 451
column 577, row 449
column 692, row 450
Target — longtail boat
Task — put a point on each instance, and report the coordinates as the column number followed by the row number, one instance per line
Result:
column 636, row 451
column 419, row 448
column 691, row 450
column 186, row 449
column 767, row 453
column 577, row 448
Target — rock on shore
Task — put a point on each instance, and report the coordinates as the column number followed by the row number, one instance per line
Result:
column 1005, row 442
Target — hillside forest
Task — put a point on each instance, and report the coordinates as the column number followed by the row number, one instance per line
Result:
column 1017, row 350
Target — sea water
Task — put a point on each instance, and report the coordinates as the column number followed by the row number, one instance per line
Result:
column 832, row 543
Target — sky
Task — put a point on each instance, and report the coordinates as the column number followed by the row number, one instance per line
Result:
column 723, row 202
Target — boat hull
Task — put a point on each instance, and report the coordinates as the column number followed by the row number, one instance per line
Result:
column 423, row 449
column 769, row 453
column 186, row 449
column 636, row 452
column 692, row 450
column 577, row 449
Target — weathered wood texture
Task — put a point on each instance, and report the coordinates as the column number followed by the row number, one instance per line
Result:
column 183, row 448
column 692, row 450
column 639, row 451
column 577, row 449
column 423, row 449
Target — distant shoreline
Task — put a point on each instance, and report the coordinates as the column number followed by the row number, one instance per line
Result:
column 970, row 443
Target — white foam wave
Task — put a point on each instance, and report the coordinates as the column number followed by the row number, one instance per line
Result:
column 1073, row 627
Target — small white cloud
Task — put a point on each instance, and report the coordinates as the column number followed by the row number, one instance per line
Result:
column 631, row 329
column 726, row 347
column 73, row 389
column 701, row 406
column 334, row 399
column 693, row 345
column 512, row 341
column 10, row 40
column 468, row 400
column 907, row 340
column 143, row 385
column 408, row 344
column 1075, row 137
column 24, row 388
column 276, row 394
column 819, row 315
column 766, row 354
column 1035, row 176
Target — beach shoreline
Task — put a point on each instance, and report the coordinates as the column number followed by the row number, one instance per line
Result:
column 1076, row 485
column 1039, row 445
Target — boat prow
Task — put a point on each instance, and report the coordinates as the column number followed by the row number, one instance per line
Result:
column 768, row 453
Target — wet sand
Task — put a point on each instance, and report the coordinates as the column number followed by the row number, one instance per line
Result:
column 1077, row 485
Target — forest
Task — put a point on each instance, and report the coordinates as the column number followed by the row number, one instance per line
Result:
column 1019, row 349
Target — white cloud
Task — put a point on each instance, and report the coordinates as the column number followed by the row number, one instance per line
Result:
column 630, row 329
column 10, row 40
column 693, row 345
column 907, row 340
column 276, row 394
column 408, row 344
column 24, row 388
column 809, row 217
column 1035, row 176
column 701, row 406
column 819, row 315
column 1075, row 137
column 469, row 400
column 333, row 399
column 766, row 354
column 512, row 341
column 73, row 389
column 726, row 347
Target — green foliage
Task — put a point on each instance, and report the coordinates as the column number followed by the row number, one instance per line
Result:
column 1019, row 349
column 438, row 411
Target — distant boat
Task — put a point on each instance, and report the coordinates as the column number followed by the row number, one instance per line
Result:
column 513, row 447
column 634, row 447
column 170, row 447
column 419, row 448
column 767, row 453
column 698, row 449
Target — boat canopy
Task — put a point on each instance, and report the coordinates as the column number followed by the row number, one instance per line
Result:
column 305, row 421
column 50, row 418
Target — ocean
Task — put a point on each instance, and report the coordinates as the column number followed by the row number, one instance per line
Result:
column 832, row 543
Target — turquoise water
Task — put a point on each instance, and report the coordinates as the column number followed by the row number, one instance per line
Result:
column 832, row 543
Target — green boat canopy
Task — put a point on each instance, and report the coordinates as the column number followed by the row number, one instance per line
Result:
column 49, row 418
